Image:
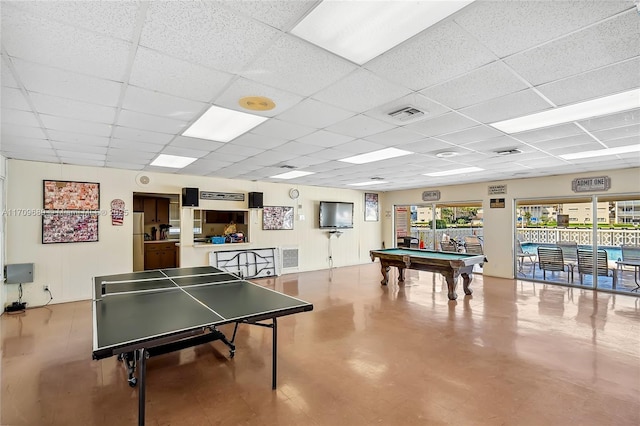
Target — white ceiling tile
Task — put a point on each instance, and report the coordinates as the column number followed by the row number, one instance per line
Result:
column 130, row 155
column 547, row 133
column 14, row 99
column 446, row 123
column 298, row 148
column 184, row 152
column 75, row 126
column 474, row 134
column 393, row 137
column 617, row 40
column 628, row 141
column 571, row 141
column 297, row 66
column 361, row 91
column 230, row 157
column 279, row 14
column 44, row 155
column 361, row 146
column 416, row 100
column 530, row 22
column 113, row 19
column 258, row 141
column 271, row 158
column 48, row 42
column 142, row 100
column 195, row 143
column 22, row 131
column 122, row 145
column 123, row 165
column 68, row 108
column 80, row 161
column 154, row 123
column 567, row 148
column 500, row 143
column 80, row 155
column 282, row 129
column 509, row 106
column 330, row 154
column 66, row 84
column 325, row 139
column 242, row 88
column 360, row 126
column 79, row 148
column 313, row 113
column 209, row 36
column 243, row 151
column 625, row 118
column 632, row 131
column 593, row 84
column 155, row 71
column 20, row 118
column 305, row 161
column 427, row 145
column 439, row 53
column 7, row 76
column 139, row 135
column 480, row 85
column 81, row 138
column 21, row 142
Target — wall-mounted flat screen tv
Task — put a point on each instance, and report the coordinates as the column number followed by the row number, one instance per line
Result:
column 334, row 214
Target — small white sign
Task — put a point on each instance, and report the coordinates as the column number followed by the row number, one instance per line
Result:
column 430, row 195
column 497, row 189
column 599, row 183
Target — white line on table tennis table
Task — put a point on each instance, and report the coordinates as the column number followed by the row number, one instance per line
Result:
column 162, row 278
column 157, row 289
column 188, row 294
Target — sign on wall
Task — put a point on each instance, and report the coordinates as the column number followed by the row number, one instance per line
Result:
column 599, row 183
column 497, row 189
column 430, row 195
column 224, row 196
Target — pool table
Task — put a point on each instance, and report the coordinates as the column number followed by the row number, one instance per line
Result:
column 450, row 264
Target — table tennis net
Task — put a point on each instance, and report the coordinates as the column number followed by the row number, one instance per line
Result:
column 164, row 283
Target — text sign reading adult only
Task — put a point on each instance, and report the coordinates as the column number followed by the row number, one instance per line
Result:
column 225, row 196
column 600, row 183
column 430, row 195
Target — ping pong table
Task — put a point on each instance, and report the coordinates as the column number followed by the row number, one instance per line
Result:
column 144, row 314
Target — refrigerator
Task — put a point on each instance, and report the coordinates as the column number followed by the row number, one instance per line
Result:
column 138, row 242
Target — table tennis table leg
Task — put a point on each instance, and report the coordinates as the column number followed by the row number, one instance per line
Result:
column 275, row 353
column 142, row 373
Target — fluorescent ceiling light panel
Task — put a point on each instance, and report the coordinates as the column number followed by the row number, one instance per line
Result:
column 361, row 30
column 174, row 161
column 292, row 175
column 383, row 154
column 455, row 172
column 602, row 152
column 222, row 124
column 576, row 112
column 374, row 182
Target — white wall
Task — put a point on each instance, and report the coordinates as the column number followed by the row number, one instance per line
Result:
column 499, row 223
column 3, row 289
column 69, row 268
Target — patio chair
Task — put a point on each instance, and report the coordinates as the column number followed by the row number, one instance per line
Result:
column 551, row 259
column 630, row 259
column 449, row 245
column 473, row 248
column 585, row 265
column 569, row 253
column 522, row 255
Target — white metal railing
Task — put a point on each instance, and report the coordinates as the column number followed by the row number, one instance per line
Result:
column 426, row 235
column 606, row 237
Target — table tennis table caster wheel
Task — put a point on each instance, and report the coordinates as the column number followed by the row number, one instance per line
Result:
column 133, row 382
column 232, row 353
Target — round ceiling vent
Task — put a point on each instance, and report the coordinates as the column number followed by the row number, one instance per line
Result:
column 257, row 103
column 143, row 180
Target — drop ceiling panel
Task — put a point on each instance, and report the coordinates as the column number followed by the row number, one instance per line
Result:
column 140, row 135
column 297, row 66
column 620, row 119
column 593, row 84
column 47, row 156
column 243, row 88
column 195, row 143
column 282, row 129
column 360, row 126
column 123, row 165
column 79, row 148
column 439, row 54
column 48, row 42
column 474, row 134
column 298, row 148
column 123, row 144
column 53, row 105
column 82, row 138
column 80, row 155
column 142, row 100
column 22, row 131
column 325, row 139
column 361, row 146
column 66, row 84
column 531, row 23
column 547, row 133
column 7, row 79
column 509, row 106
column 428, row 107
column 361, row 91
column 83, row 161
column 427, row 145
column 154, row 123
column 25, row 143
column 216, row 38
column 313, row 113
column 396, row 136
column 233, row 149
column 446, row 123
column 278, row 14
column 271, row 158
column 610, row 41
column 488, row 82
column 632, row 131
column 258, row 141
column 184, row 152
column 20, row 118
column 155, row 71
column 14, row 99
column 130, row 155
column 628, row 141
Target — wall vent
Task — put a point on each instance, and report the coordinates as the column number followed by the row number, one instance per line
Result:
column 407, row 113
column 508, row 151
column 289, row 259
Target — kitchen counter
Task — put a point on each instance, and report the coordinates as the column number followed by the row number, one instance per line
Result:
column 161, row 241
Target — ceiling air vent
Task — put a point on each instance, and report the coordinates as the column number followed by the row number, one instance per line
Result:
column 407, row 113
column 508, row 151
column 286, row 166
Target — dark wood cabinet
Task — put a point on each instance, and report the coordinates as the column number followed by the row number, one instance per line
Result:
column 221, row 216
column 156, row 210
column 160, row 255
column 138, row 204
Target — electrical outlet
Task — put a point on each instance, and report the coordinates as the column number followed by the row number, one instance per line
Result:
column 45, row 287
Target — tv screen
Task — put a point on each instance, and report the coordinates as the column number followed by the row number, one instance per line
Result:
column 335, row 214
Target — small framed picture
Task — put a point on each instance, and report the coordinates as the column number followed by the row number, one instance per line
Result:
column 371, row 208
column 276, row 218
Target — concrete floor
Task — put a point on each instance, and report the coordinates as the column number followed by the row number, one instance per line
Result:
column 513, row 353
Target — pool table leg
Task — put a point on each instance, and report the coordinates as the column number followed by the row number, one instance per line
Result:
column 400, row 275
column 452, row 280
column 385, row 274
column 466, row 282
